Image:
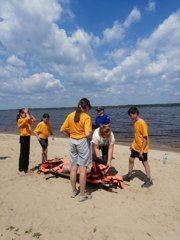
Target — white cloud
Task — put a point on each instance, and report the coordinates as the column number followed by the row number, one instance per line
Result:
column 117, row 32
column 153, row 64
column 151, row 6
column 14, row 60
column 114, row 33
column 42, row 82
column 134, row 16
column 43, row 62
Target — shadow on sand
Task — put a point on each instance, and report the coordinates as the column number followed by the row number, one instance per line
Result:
column 4, row 158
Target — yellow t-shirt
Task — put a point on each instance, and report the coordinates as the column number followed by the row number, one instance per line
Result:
column 140, row 131
column 77, row 130
column 43, row 130
column 24, row 125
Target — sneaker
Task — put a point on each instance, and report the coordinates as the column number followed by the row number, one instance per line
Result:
column 147, row 184
column 127, row 177
column 74, row 193
column 21, row 173
column 84, row 197
column 28, row 172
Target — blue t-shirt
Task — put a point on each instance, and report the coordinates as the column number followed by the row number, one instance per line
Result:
column 102, row 120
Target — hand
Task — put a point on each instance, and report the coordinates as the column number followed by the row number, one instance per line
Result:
column 141, row 154
column 26, row 110
column 108, row 164
column 130, row 148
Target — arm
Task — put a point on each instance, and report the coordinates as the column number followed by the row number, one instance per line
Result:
column 33, row 120
column 65, row 133
column 143, row 146
column 51, row 132
column 110, row 154
column 97, row 150
column 30, row 117
column 36, row 131
column 88, row 134
column 36, row 135
column 131, row 145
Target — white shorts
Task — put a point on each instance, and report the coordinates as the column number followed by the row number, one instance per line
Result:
column 80, row 152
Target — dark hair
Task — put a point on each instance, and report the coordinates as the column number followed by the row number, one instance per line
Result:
column 103, row 130
column 19, row 114
column 133, row 110
column 45, row 115
column 83, row 104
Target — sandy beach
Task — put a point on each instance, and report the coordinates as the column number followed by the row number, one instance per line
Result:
column 39, row 206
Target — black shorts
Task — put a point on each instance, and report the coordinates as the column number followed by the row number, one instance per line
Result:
column 44, row 142
column 135, row 154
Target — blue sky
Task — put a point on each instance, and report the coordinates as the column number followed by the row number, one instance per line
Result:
column 52, row 53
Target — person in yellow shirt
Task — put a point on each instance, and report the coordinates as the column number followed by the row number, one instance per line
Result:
column 42, row 132
column 139, row 147
column 78, row 127
column 24, row 121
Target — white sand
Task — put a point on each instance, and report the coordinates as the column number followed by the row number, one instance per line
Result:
column 34, row 206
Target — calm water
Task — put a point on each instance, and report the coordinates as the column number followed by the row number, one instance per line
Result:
column 163, row 121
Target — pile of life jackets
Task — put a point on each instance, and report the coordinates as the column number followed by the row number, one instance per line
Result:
column 98, row 173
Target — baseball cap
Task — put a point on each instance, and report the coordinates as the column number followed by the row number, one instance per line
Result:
column 100, row 108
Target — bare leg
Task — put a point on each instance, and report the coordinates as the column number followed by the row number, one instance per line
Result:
column 44, row 155
column 147, row 169
column 82, row 180
column 131, row 164
column 73, row 176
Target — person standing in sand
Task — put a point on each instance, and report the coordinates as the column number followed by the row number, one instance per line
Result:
column 24, row 121
column 42, row 132
column 78, row 127
column 102, row 118
column 139, row 147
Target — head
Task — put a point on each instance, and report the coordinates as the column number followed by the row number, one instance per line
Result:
column 133, row 112
column 21, row 114
column 105, row 131
column 45, row 117
column 84, row 105
column 100, row 110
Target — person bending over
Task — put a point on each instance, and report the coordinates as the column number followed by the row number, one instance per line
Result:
column 103, row 145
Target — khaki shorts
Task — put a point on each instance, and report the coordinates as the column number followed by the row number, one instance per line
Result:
column 80, row 152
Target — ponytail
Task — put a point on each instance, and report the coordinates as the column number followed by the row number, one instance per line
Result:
column 82, row 105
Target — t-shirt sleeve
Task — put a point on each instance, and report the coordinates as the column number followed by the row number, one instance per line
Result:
column 65, row 125
column 88, row 125
column 22, row 122
column 37, row 129
column 112, row 140
column 95, row 138
column 144, row 129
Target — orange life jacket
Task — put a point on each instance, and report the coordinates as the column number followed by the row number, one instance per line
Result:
column 97, row 175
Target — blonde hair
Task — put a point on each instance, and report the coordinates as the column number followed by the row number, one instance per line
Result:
column 103, row 130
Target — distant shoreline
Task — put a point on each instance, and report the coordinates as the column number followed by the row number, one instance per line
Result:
column 126, row 142
column 105, row 106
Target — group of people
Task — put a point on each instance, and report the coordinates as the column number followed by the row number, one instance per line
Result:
column 79, row 129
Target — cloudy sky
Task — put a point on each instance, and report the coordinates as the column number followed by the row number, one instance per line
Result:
column 54, row 52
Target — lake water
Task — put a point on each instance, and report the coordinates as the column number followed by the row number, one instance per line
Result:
column 163, row 122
